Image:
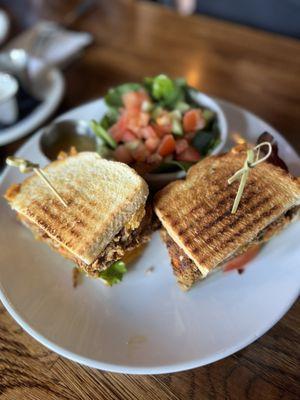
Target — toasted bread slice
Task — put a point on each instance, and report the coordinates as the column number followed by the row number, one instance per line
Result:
column 186, row 271
column 102, row 196
column 196, row 212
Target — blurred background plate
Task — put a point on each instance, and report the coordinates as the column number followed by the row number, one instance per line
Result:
column 4, row 26
column 51, row 89
column 146, row 324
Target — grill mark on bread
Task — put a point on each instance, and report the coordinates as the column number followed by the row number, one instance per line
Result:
column 181, row 231
column 81, row 223
column 172, row 220
column 187, row 241
column 212, row 223
column 237, row 218
column 75, row 232
column 86, row 210
column 70, row 226
column 51, row 231
column 265, row 214
column 224, row 200
column 35, row 214
column 166, row 215
column 251, row 208
column 221, row 245
column 47, row 211
column 103, row 186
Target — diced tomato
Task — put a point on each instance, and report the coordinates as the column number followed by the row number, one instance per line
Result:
column 181, row 145
column 239, row 262
column 154, row 159
column 163, row 124
column 193, row 120
column 148, row 132
column 189, row 155
column 116, row 132
column 140, row 153
column 167, row 145
column 137, row 120
column 134, row 100
column 123, row 154
column 164, row 119
column 152, row 140
column 189, row 136
column 152, row 143
column 144, row 119
column 128, row 136
column 118, row 129
column 162, row 130
column 123, row 121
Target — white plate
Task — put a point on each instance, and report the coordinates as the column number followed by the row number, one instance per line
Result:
column 4, row 26
column 145, row 325
column 52, row 87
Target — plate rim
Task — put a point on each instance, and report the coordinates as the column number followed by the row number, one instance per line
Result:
column 6, row 20
column 34, row 120
column 137, row 370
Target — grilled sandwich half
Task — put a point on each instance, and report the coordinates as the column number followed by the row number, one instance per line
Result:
column 199, row 229
column 106, row 214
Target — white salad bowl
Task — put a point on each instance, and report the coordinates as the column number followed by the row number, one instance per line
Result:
column 158, row 180
column 53, row 137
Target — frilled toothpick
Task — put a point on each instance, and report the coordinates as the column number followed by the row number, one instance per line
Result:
column 243, row 173
column 26, row 166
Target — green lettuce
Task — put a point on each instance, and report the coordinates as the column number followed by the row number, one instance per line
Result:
column 114, row 95
column 114, row 274
column 109, row 118
column 206, row 141
column 168, row 92
column 103, row 134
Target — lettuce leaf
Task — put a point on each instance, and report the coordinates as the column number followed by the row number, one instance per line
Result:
column 109, row 118
column 114, row 274
column 166, row 91
column 114, row 95
column 206, row 141
column 103, row 134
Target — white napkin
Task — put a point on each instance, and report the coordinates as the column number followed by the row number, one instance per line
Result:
column 57, row 48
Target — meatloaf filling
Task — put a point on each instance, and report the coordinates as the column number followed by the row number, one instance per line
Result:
column 132, row 235
column 126, row 240
column 186, row 271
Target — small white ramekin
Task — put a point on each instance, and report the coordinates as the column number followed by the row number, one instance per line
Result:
column 8, row 103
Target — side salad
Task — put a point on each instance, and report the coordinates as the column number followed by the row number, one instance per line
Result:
column 156, row 126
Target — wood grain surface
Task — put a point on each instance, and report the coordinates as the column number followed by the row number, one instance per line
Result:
column 254, row 69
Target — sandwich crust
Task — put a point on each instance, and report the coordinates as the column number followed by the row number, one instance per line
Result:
column 196, row 212
column 102, row 197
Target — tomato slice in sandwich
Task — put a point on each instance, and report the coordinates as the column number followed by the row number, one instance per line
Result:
column 240, row 262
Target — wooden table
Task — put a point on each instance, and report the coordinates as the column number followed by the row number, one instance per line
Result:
column 256, row 70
